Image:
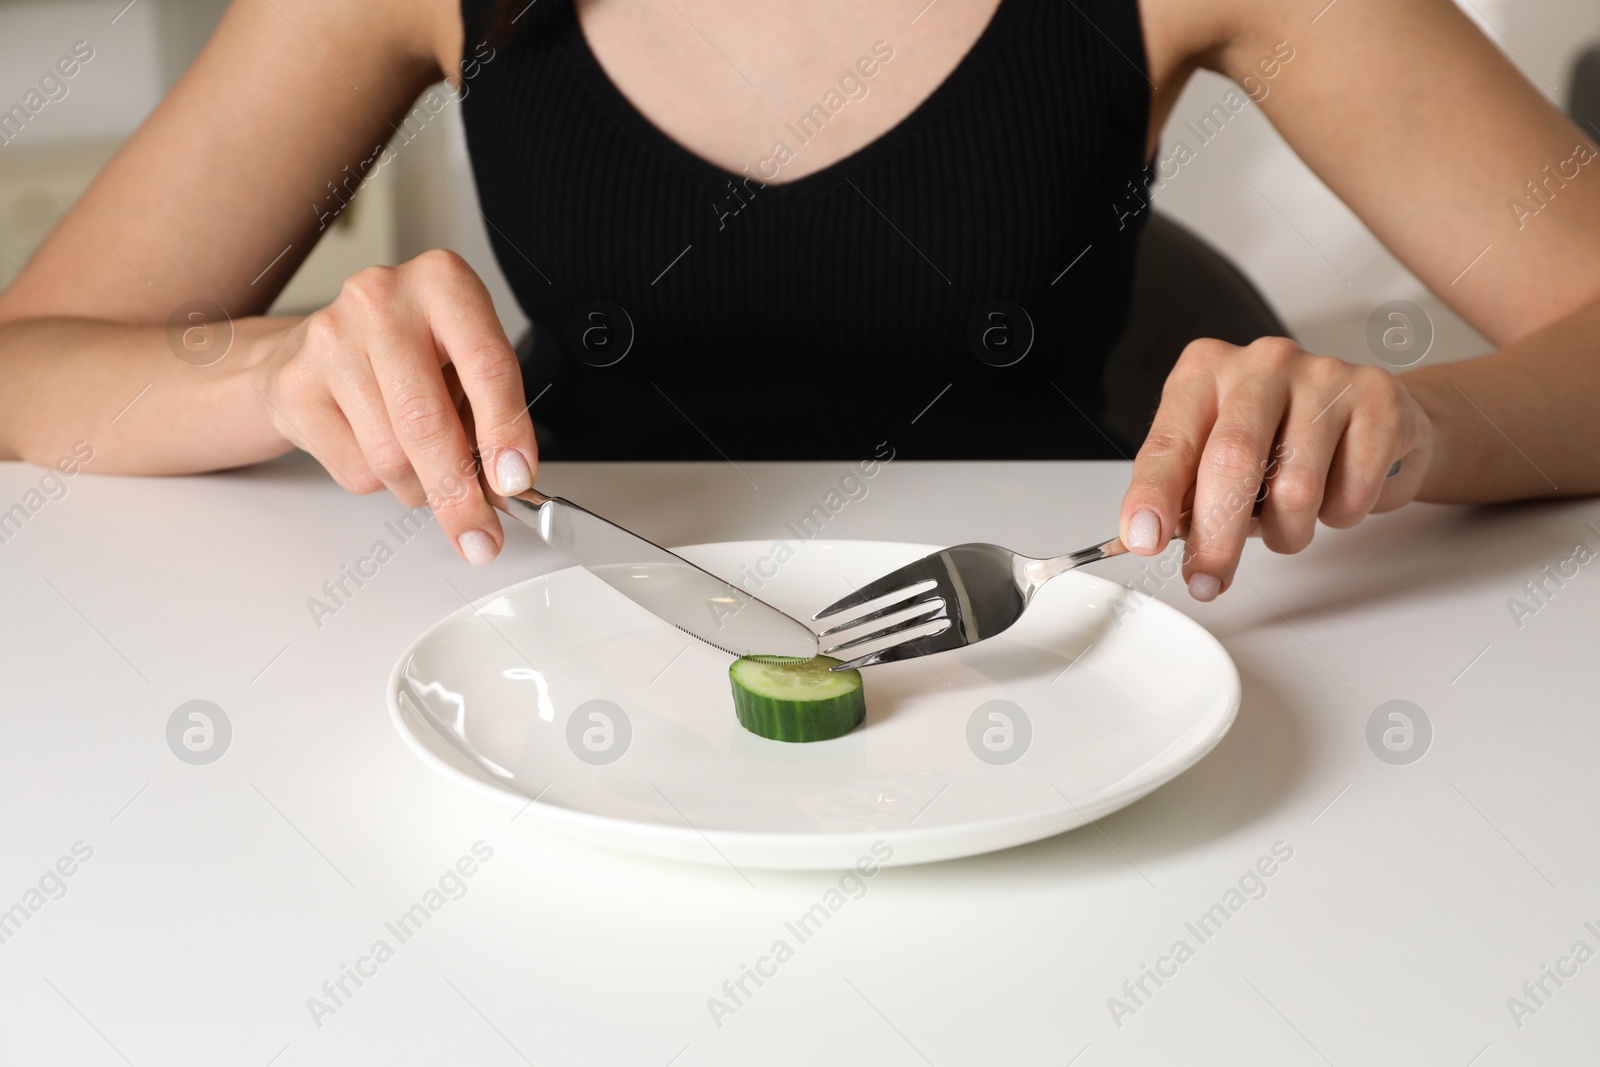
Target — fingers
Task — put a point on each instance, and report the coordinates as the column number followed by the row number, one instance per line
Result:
column 362, row 404
column 316, row 425
column 1164, row 469
column 387, row 382
column 429, row 431
column 1319, row 437
column 333, row 445
column 467, row 329
column 1381, row 430
column 403, row 361
column 1317, row 416
column 1233, row 464
column 1402, row 486
column 401, row 396
column 495, row 498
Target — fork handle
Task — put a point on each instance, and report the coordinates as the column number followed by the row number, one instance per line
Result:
column 1108, row 549
column 1180, row 532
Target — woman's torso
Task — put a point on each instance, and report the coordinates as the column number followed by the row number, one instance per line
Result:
column 948, row 285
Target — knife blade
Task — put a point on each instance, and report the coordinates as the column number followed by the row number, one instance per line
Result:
column 662, row 582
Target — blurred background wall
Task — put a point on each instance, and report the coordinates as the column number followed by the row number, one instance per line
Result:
column 1316, row 263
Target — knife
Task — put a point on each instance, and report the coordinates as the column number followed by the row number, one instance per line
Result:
column 663, row 583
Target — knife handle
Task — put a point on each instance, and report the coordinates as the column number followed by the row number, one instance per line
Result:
column 528, row 499
column 532, row 497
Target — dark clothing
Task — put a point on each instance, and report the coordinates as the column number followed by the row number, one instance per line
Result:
column 951, row 289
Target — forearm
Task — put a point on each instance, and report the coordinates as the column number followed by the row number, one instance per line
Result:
column 1518, row 423
column 122, row 390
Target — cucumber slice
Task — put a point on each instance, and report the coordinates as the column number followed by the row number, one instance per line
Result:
column 786, row 698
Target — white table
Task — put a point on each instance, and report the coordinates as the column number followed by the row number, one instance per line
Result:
column 218, row 898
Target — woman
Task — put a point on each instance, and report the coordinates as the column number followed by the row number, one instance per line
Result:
column 798, row 223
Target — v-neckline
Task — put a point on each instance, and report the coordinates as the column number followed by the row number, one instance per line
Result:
column 673, row 151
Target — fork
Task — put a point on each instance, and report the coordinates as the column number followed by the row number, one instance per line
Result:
column 979, row 589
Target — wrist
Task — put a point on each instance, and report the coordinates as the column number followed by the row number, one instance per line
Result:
column 259, row 343
column 1434, row 397
column 240, row 382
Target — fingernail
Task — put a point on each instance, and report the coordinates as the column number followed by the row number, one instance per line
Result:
column 477, row 547
column 511, row 472
column 1204, row 587
column 1144, row 529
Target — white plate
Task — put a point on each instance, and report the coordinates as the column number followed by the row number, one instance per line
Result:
column 1117, row 702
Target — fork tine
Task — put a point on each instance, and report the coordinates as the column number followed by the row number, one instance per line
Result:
column 904, row 650
column 898, row 627
column 902, row 604
column 907, row 578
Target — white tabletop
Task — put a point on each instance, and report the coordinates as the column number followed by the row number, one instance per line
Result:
column 216, row 900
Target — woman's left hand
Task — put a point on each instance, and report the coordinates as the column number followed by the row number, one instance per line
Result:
column 1321, row 432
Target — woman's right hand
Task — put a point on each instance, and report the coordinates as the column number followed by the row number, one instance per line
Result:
column 364, row 386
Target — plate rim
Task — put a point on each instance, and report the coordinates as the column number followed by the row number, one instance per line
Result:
column 611, row 832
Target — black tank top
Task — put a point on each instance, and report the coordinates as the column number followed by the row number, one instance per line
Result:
column 949, row 291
